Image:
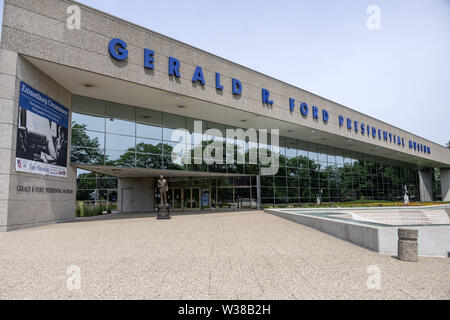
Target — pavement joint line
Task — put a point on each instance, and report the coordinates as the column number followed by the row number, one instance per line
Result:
column 406, row 280
column 407, row 294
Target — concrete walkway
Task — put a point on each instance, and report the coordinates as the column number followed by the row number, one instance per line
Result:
column 242, row 255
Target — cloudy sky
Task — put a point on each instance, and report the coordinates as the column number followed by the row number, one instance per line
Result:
column 399, row 73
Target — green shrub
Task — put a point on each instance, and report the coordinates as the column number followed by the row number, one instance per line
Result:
column 89, row 209
column 80, row 207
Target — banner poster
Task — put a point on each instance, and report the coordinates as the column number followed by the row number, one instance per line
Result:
column 42, row 134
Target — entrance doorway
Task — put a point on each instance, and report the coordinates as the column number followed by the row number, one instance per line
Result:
column 191, row 199
column 184, row 199
column 195, row 194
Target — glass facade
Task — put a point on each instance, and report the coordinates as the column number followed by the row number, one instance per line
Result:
column 110, row 134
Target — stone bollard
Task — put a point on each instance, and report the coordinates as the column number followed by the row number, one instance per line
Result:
column 408, row 247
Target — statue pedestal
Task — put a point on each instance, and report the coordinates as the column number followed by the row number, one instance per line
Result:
column 163, row 211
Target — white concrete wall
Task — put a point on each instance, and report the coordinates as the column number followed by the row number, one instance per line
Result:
column 362, row 235
column 426, row 185
column 445, row 184
column 433, row 240
column 136, row 195
column 21, row 209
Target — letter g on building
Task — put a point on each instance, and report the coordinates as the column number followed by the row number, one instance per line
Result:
column 117, row 49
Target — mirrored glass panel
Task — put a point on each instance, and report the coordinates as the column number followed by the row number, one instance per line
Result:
column 312, row 152
column 88, row 122
column 120, row 158
column 91, row 139
column 148, row 123
column 149, row 146
column 120, row 143
column 291, row 148
column 87, row 105
column 120, row 111
column 150, row 161
column 120, row 127
column 171, row 123
column 83, row 155
column 120, row 119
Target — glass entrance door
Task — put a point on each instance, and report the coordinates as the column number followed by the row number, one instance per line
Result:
column 186, row 199
column 177, row 199
column 195, row 200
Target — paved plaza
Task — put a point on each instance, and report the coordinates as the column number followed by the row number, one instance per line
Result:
column 230, row 255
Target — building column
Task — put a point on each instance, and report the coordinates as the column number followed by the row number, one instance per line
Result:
column 20, row 206
column 8, row 128
column 426, row 185
column 445, row 184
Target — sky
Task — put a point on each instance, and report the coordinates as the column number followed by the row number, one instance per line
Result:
column 399, row 73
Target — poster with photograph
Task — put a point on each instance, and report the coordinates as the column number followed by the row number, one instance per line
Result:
column 42, row 134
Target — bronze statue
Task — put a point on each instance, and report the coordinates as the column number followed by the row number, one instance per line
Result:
column 163, row 187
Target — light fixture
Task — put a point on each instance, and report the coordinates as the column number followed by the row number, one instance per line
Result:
column 181, row 107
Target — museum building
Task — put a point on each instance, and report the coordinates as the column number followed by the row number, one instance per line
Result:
column 95, row 108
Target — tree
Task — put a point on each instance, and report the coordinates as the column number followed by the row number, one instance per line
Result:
column 147, row 156
column 448, row 144
column 85, row 150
